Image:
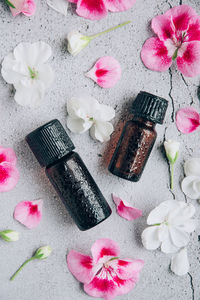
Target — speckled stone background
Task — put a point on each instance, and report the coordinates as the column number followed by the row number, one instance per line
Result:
column 50, row 279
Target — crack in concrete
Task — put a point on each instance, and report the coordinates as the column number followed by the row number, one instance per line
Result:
column 180, row 2
column 170, row 94
column 187, row 85
column 191, row 285
column 169, row 3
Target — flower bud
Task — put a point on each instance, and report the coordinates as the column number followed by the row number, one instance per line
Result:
column 77, row 42
column 171, row 149
column 9, row 235
column 43, row 252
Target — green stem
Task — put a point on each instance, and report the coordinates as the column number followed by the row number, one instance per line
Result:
column 108, row 30
column 20, row 268
column 9, row 3
column 171, row 176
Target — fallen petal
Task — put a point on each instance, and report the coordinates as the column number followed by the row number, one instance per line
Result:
column 187, row 120
column 125, row 210
column 7, row 155
column 192, row 167
column 106, row 72
column 188, row 187
column 60, row 6
column 180, row 263
column 119, row 5
column 9, row 176
column 90, row 9
column 29, row 213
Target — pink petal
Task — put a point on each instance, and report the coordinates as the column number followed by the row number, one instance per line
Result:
column 154, row 55
column 188, row 61
column 193, row 32
column 27, row 7
column 187, row 120
column 80, row 266
column 119, row 5
column 72, row 1
column 125, row 210
column 90, row 9
column 161, row 25
column 104, row 248
column 29, row 213
column 9, row 176
column 106, row 72
column 7, row 155
column 127, row 268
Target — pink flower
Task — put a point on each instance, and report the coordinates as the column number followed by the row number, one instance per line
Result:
column 104, row 275
column 187, row 120
column 106, row 72
column 96, row 10
column 178, row 36
column 29, row 213
column 27, row 7
column 9, row 174
column 125, row 210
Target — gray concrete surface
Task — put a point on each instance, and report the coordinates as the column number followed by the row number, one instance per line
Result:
column 50, row 279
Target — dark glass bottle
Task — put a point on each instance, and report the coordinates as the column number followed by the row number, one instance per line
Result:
column 138, row 137
column 70, row 177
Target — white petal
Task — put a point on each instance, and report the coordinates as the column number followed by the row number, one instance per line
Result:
column 150, row 238
column 82, row 107
column 181, row 214
column 189, row 226
column 30, row 96
column 163, row 232
column 76, row 42
column 171, row 148
column 78, row 125
column 60, row 6
column 159, row 214
column 11, row 70
column 188, row 187
column 45, row 74
column 179, row 237
column 192, row 167
column 167, row 245
column 179, row 263
column 101, row 131
column 104, row 113
column 32, row 54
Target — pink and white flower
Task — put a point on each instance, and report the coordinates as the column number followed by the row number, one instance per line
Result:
column 106, row 72
column 26, row 7
column 104, row 274
column 29, row 213
column 125, row 210
column 178, row 37
column 9, row 174
column 96, row 10
column 187, row 120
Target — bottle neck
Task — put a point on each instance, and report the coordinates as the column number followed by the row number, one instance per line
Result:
column 145, row 122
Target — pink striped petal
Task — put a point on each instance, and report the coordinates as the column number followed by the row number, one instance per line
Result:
column 29, row 213
column 119, row 5
column 188, row 61
column 80, row 266
column 125, row 210
column 187, row 120
column 127, row 268
column 7, row 155
column 155, row 55
column 106, row 72
column 104, row 249
column 90, row 9
column 9, row 176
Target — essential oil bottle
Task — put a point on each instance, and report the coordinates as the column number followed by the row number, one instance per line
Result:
column 138, row 137
column 68, row 174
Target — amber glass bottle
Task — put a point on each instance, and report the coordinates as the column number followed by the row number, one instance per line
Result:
column 70, row 177
column 138, row 137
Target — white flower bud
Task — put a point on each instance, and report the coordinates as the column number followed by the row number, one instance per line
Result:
column 172, row 149
column 9, row 235
column 77, row 42
column 43, row 252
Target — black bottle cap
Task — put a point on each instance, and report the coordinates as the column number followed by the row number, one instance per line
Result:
column 150, row 107
column 49, row 142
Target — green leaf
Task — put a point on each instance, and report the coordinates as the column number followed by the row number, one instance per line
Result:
column 9, row 3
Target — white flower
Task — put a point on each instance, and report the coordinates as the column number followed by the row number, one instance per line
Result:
column 77, row 42
column 172, row 149
column 27, row 70
column 43, row 252
column 87, row 113
column 179, row 263
column 171, row 222
column 191, row 183
column 9, row 235
column 60, row 6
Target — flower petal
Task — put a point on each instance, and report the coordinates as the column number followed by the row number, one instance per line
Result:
column 60, row 6
column 161, row 25
column 7, row 155
column 29, row 213
column 159, row 214
column 80, row 266
column 155, row 55
column 90, row 9
column 188, row 189
column 126, row 268
column 182, row 213
column 103, row 113
column 9, row 176
column 104, row 248
column 106, row 72
column 27, row 7
column 189, row 226
column 119, row 5
column 179, row 237
column 78, row 125
column 101, row 131
column 46, row 75
column 192, row 167
column 179, row 263
column 188, row 60
column 167, row 246
column 193, row 31
column 125, row 210
column 150, row 238
column 82, row 107
column 187, row 120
